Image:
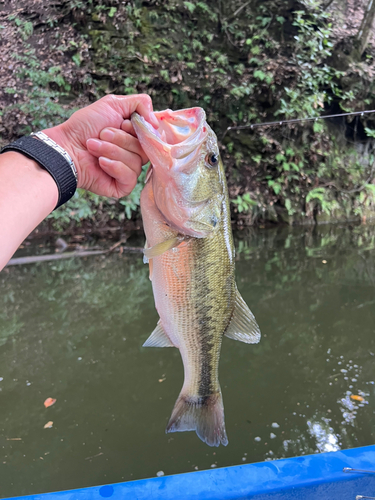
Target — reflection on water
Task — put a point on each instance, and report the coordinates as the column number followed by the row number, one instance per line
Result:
column 326, row 440
column 73, row 330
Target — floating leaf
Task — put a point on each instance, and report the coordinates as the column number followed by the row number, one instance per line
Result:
column 48, row 425
column 49, row 402
column 357, row 398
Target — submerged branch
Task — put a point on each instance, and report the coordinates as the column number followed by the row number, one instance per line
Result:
column 59, row 256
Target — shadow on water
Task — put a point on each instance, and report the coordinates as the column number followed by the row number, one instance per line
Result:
column 73, row 330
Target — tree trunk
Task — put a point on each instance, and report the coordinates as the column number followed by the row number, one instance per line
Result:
column 365, row 29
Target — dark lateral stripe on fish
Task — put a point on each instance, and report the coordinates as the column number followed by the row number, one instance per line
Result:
column 206, row 322
column 206, row 351
column 207, row 400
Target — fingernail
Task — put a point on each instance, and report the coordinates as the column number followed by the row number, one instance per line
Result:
column 93, row 144
column 107, row 135
column 105, row 161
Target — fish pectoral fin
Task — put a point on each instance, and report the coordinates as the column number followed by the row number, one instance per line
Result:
column 150, row 267
column 162, row 247
column 243, row 326
column 158, row 338
column 147, row 261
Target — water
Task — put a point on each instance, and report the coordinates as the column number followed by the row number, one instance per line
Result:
column 73, row 330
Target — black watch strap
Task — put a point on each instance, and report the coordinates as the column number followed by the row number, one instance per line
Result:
column 51, row 160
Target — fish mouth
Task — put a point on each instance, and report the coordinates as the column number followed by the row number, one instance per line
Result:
column 179, row 134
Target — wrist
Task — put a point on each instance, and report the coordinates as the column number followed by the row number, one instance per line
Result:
column 61, row 137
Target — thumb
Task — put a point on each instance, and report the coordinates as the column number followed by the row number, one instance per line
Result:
column 141, row 103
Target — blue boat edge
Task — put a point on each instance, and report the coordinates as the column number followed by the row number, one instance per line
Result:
column 308, row 477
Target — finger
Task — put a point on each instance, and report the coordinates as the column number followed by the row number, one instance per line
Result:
column 128, row 127
column 140, row 103
column 113, row 152
column 125, row 177
column 102, row 183
column 123, row 140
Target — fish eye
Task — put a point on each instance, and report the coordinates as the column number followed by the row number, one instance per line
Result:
column 212, row 159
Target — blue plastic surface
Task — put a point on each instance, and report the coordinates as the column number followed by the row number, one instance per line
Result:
column 311, row 477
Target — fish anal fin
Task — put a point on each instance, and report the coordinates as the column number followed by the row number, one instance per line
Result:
column 243, row 326
column 162, row 247
column 204, row 415
column 158, row 338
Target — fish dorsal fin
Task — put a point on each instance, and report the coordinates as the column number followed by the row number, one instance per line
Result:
column 162, row 247
column 158, row 338
column 243, row 326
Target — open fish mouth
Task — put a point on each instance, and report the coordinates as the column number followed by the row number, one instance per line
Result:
column 179, row 134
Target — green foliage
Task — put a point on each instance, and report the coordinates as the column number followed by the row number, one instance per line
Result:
column 321, row 196
column 244, row 203
column 83, row 206
column 131, row 203
column 45, row 112
column 86, row 206
column 76, row 58
column 41, row 103
column 370, row 132
column 244, row 62
column 317, row 82
column 112, row 11
column 260, row 75
column 275, row 185
column 190, row 6
column 25, row 28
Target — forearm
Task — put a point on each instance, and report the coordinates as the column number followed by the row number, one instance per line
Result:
column 28, row 194
column 107, row 159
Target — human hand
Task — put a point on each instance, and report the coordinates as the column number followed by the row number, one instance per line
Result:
column 102, row 143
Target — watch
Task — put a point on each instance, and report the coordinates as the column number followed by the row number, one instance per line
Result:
column 52, row 158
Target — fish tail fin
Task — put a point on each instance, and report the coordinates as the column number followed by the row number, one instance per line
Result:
column 204, row 415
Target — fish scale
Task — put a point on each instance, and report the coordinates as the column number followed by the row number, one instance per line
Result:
column 193, row 302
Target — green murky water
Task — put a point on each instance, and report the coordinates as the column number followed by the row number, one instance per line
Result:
column 73, row 330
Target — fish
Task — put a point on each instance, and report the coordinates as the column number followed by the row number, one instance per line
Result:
column 190, row 251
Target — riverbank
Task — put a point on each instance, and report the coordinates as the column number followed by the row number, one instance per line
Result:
column 242, row 62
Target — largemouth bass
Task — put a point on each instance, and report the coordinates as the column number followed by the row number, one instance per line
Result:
column 189, row 247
